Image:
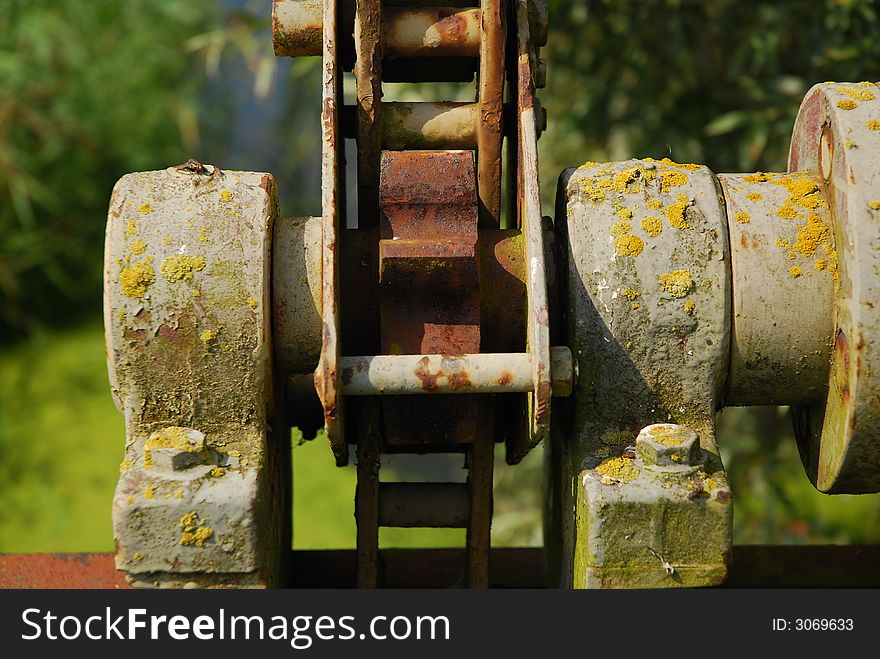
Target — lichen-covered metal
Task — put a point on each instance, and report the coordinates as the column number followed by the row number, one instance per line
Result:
column 837, row 137
column 785, row 273
column 648, row 322
column 204, row 484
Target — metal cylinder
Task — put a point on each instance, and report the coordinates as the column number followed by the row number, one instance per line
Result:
column 431, row 32
column 297, row 27
column 296, row 293
column 444, row 125
column 393, row 375
column 424, row 505
column 784, row 269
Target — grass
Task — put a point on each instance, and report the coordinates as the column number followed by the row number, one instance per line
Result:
column 61, row 441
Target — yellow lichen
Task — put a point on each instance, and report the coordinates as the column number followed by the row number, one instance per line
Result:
column 796, row 271
column 217, row 472
column 629, row 180
column 754, row 196
column 131, row 228
column 226, row 196
column 874, row 204
column 849, row 144
column 125, row 465
column 617, row 470
column 203, row 235
column 653, row 226
column 689, row 307
column 630, row 294
column 150, row 492
column 655, row 204
column 207, row 336
column 620, row 228
column 588, row 187
column 129, row 500
column 181, row 267
column 138, row 556
column 857, row 93
column 138, row 247
column 677, row 283
column 873, row 124
column 847, row 104
column 166, row 241
column 811, row 235
column 672, row 179
column 668, row 435
column 742, row 217
column 625, row 214
column 628, row 245
column 675, row 214
column 137, row 278
column 821, row 264
column 179, row 493
column 145, row 209
column 788, row 213
column 193, row 530
column 667, row 161
column 831, row 253
column 252, row 303
column 760, row 177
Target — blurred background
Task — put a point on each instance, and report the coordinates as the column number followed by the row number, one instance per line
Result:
column 92, row 90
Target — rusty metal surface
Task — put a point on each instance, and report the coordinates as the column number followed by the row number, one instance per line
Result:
column 424, row 505
column 297, row 27
column 440, row 125
column 431, row 32
column 396, row 375
column 529, row 219
column 751, row 566
column 784, row 277
column 837, row 135
column 60, row 571
column 429, row 222
column 480, row 463
column 327, row 373
column 491, row 121
column 368, row 87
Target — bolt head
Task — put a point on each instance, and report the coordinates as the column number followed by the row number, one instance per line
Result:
column 175, row 449
column 668, row 445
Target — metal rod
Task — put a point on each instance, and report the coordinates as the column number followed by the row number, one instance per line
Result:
column 489, row 135
column 424, row 505
column 481, row 462
column 368, row 83
column 443, row 125
column 367, row 497
column 393, row 375
column 431, row 32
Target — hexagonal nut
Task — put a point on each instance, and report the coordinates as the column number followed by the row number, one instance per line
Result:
column 175, row 449
column 668, row 445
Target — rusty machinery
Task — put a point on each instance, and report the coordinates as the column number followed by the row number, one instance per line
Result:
column 450, row 315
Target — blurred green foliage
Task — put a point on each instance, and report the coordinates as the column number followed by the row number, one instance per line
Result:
column 87, row 90
column 716, row 82
column 92, row 90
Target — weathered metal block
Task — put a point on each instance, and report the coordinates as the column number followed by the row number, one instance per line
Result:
column 204, row 486
column 649, row 314
column 644, row 525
